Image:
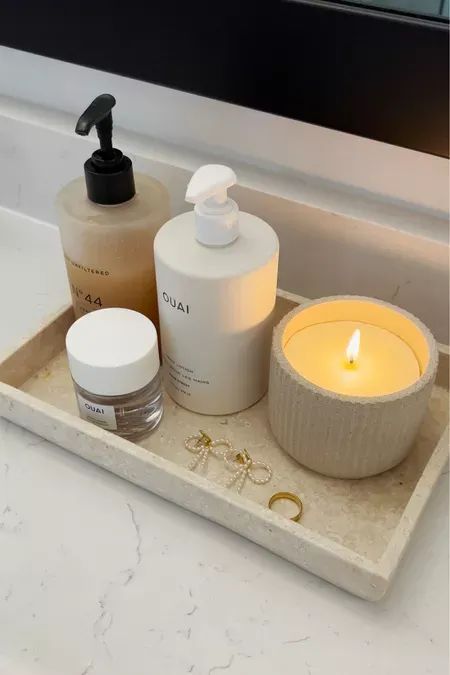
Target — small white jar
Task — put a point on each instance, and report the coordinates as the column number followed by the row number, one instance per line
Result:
column 114, row 361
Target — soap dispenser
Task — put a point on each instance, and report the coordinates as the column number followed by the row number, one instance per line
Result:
column 216, row 272
column 108, row 220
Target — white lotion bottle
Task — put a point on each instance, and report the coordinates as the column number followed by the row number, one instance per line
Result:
column 216, row 274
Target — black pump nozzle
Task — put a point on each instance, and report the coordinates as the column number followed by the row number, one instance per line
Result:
column 99, row 114
column 109, row 174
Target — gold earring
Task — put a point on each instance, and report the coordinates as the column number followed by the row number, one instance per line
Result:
column 202, row 445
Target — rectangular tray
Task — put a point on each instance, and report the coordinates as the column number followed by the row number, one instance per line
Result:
column 352, row 533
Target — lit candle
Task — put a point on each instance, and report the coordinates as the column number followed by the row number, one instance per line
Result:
column 384, row 364
column 350, row 379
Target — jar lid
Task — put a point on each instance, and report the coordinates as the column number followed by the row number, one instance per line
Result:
column 113, row 351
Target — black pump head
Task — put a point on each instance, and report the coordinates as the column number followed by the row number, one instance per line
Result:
column 98, row 114
column 108, row 173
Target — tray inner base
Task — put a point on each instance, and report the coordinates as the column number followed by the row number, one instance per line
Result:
column 359, row 514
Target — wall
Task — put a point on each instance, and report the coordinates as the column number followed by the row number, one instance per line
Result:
column 335, row 237
column 286, row 148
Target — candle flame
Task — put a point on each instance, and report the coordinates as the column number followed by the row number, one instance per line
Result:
column 353, row 347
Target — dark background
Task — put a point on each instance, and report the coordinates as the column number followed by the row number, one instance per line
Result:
column 377, row 74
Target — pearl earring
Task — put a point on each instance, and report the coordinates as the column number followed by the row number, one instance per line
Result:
column 243, row 467
column 238, row 462
column 202, row 446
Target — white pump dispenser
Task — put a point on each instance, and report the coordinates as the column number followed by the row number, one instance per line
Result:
column 216, row 273
column 216, row 215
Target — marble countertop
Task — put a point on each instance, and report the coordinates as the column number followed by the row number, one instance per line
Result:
column 100, row 577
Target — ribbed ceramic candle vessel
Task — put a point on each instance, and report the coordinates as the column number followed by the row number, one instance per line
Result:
column 343, row 411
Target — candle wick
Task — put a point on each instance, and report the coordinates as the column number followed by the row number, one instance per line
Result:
column 351, row 362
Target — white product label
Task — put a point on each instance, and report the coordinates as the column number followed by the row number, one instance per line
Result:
column 183, row 378
column 102, row 415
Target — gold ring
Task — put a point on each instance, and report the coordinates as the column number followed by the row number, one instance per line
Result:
column 291, row 498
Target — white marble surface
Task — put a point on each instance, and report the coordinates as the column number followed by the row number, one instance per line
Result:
column 99, row 577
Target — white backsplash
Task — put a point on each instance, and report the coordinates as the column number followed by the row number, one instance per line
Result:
column 332, row 241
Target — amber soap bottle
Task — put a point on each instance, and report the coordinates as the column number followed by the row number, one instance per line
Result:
column 108, row 221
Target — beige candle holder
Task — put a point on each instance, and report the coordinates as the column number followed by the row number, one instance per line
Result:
column 348, row 436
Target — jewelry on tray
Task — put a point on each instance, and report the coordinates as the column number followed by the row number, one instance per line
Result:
column 291, row 497
column 243, row 467
column 202, row 445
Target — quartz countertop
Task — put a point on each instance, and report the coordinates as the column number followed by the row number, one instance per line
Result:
column 100, row 577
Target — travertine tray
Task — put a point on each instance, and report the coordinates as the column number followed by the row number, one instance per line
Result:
column 352, row 533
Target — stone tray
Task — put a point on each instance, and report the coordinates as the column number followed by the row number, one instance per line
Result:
column 352, row 533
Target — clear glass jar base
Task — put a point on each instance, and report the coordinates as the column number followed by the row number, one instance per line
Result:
column 131, row 416
column 142, row 433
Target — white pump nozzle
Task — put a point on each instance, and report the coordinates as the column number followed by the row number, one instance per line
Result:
column 216, row 215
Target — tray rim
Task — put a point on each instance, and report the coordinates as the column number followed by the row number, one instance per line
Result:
column 363, row 577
